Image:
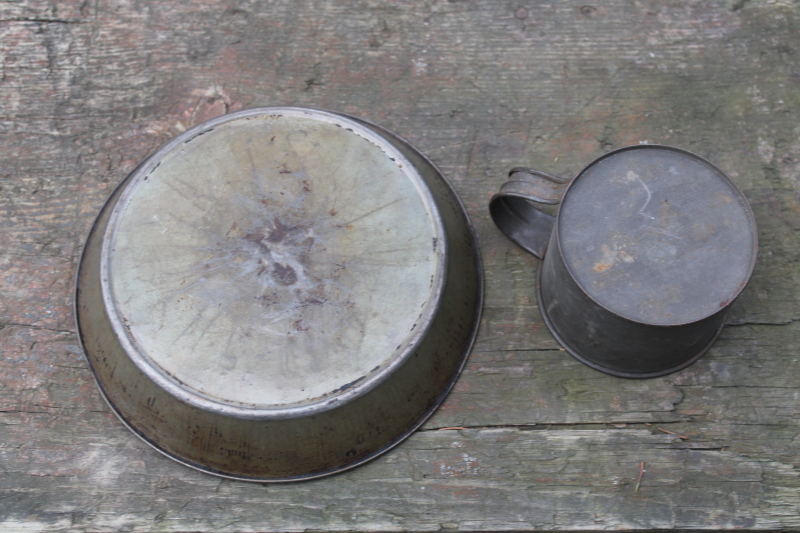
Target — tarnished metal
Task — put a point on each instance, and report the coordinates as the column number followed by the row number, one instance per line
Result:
column 650, row 247
column 517, row 217
column 279, row 294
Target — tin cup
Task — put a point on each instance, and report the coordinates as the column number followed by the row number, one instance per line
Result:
column 649, row 248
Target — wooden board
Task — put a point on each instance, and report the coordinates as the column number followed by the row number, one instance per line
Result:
column 530, row 438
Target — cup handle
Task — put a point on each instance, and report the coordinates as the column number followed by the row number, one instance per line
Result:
column 513, row 213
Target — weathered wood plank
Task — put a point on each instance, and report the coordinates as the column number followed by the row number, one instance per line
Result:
column 90, row 88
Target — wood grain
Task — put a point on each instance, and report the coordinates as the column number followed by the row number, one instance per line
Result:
column 90, row 88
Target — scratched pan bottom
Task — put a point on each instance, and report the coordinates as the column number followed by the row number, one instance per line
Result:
column 279, row 294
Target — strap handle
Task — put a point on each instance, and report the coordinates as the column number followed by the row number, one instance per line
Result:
column 521, row 221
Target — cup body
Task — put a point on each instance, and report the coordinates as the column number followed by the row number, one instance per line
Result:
column 611, row 343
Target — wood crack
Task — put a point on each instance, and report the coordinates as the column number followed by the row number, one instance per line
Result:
column 753, row 323
column 541, row 427
column 4, row 325
column 43, row 20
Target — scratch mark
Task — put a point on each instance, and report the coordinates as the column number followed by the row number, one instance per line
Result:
column 370, row 212
column 663, row 232
column 649, row 197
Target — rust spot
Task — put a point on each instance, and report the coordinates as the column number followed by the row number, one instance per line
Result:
column 333, row 212
column 600, row 267
column 258, row 239
column 284, row 274
column 279, row 231
column 347, row 385
column 725, row 198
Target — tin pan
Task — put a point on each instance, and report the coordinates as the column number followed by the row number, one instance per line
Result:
column 650, row 247
column 279, row 294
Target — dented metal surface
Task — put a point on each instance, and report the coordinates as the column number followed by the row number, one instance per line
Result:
column 279, row 294
column 650, row 246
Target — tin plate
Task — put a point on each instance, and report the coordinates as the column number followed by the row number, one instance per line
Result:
column 283, row 266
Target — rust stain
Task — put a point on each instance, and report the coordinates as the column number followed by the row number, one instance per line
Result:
column 607, row 260
column 279, row 231
column 284, row 274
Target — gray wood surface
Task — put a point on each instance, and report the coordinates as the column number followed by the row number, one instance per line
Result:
column 530, row 438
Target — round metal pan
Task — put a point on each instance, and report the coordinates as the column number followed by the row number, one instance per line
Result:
column 279, row 294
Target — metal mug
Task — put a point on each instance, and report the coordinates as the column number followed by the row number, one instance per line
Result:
column 649, row 248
